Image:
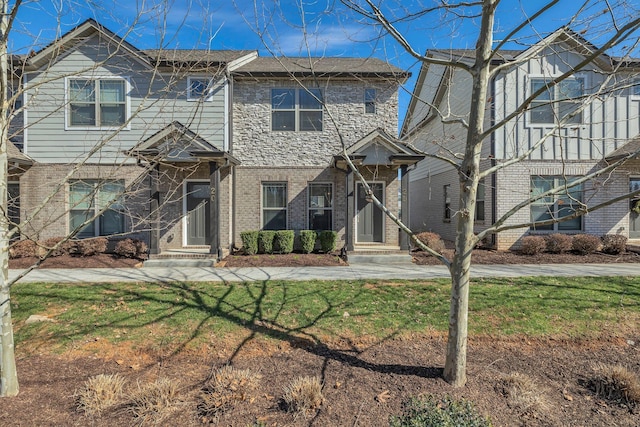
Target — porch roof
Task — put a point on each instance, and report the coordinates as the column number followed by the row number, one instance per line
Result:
column 631, row 147
column 378, row 148
column 176, row 143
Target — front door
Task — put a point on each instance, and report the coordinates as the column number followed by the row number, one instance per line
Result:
column 197, row 215
column 634, row 214
column 369, row 218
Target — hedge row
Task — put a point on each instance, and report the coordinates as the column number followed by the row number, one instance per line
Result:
column 57, row 246
column 581, row 243
column 282, row 241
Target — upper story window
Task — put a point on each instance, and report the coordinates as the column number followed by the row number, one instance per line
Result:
column 199, row 89
column 370, row 101
column 556, row 102
column 635, row 87
column 555, row 207
column 296, row 109
column 97, row 102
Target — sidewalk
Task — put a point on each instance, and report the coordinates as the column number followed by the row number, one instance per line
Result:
column 355, row 272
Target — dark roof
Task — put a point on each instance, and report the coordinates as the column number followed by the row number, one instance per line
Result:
column 632, row 146
column 324, row 66
column 195, row 55
column 17, row 156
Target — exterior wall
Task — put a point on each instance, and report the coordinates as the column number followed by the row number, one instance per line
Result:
column 153, row 104
column 248, row 190
column 172, row 178
column 42, row 182
column 514, row 184
column 255, row 144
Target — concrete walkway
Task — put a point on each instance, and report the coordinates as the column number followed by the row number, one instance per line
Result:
column 354, row 272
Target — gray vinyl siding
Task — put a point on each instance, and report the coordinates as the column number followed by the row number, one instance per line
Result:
column 155, row 101
column 608, row 122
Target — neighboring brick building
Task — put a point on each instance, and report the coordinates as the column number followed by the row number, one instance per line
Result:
column 580, row 141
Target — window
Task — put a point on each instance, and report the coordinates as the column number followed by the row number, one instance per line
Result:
column 635, row 87
column 447, row 202
column 296, row 110
column 198, row 89
column 480, row 196
column 556, row 102
column 274, row 206
column 87, row 199
column 320, row 206
column 97, row 103
column 370, row 101
column 555, row 206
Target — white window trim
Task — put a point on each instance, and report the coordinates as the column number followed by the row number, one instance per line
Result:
column 635, row 87
column 184, row 208
column 209, row 96
column 384, row 217
column 286, row 204
column 309, row 184
column 555, row 229
column 296, row 109
column 527, row 92
column 127, row 103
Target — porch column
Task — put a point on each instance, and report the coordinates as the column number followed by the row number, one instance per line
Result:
column 214, row 210
column 404, row 207
column 154, row 212
column 349, row 228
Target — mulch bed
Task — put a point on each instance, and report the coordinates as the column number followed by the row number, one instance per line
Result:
column 283, row 260
column 71, row 261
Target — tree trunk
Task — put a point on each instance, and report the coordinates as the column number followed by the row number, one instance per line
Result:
column 8, row 373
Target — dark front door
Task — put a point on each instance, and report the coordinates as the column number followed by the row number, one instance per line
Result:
column 634, row 214
column 197, row 213
column 369, row 218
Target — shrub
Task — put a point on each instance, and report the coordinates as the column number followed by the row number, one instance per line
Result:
column 328, row 240
column 63, row 249
column 283, row 242
column 227, row 386
column 98, row 393
column 154, row 403
column 614, row 244
column 586, row 243
column 89, row 247
column 23, row 249
column 303, row 395
column 131, row 248
column 430, row 411
column 616, row 383
column 558, row 243
column 249, row 242
column 532, row 245
column 432, row 240
column 142, row 249
column 265, row 241
column 308, row 240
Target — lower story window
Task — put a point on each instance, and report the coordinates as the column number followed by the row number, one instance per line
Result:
column 274, row 206
column 555, row 207
column 446, row 195
column 320, row 206
column 480, row 197
column 96, row 208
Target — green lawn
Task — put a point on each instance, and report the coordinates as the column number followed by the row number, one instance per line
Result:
column 195, row 313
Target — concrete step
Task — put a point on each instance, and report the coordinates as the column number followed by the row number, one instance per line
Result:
column 179, row 262
column 379, row 258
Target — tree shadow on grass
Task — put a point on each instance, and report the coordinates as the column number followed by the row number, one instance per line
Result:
column 260, row 309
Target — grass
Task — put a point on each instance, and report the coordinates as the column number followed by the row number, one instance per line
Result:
column 191, row 314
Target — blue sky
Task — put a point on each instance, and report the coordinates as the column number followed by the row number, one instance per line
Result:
column 331, row 29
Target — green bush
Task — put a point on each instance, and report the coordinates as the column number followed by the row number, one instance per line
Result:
column 430, row 411
column 586, row 243
column 265, row 241
column 614, row 244
column 249, row 242
column 328, row 240
column 308, row 240
column 283, row 242
column 532, row 245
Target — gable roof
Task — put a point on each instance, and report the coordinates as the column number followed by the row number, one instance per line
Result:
column 321, row 67
column 630, row 147
column 379, row 148
column 177, row 143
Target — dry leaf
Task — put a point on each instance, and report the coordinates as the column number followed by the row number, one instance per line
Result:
column 383, row 397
